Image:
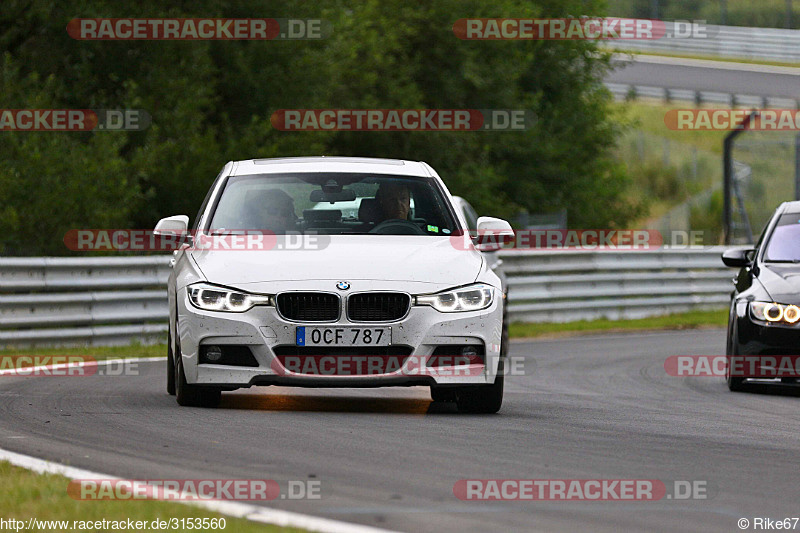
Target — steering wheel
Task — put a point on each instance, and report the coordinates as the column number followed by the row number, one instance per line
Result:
column 396, row 226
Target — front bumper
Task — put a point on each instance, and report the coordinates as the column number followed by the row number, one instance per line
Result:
column 761, row 338
column 263, row 330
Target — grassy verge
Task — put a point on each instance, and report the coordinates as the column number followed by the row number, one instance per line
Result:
column 708, row 58
column 649, row 117
column 25, row 494
column 690, row 320
column 99, row 353
column 672, row 168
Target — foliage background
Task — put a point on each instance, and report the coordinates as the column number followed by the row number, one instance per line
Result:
column 211, row 103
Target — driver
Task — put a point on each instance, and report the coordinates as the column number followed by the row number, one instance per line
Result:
column 394, row 200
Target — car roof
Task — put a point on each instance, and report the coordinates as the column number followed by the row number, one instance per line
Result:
column 363, row 165
column 791, row 207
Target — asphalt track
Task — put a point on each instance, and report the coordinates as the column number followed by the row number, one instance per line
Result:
column 712, row 76
column 590, row 407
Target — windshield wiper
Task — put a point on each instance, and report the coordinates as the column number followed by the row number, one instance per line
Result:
column 794, row 261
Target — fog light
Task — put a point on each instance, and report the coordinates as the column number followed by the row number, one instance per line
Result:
column 469, row 351
column 213, row 354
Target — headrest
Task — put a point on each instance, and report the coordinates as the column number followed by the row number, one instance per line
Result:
column 369, row 210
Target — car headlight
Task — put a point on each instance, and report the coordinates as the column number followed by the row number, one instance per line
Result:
column 775, row 312
column 470, row 298
column 211, row 298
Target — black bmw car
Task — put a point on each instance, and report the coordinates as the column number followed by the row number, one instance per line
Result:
column 764, row 315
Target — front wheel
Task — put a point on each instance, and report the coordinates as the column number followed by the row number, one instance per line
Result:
column 735, row 384
column 170, row 367
column 443, row 394
column 482, row 399
column 192, row 395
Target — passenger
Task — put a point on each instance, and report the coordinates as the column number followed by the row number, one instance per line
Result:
column 271, row 210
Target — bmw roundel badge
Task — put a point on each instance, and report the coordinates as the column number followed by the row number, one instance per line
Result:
column 343, row 285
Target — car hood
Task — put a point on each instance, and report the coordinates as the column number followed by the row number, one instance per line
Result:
column 781, row 281
column 415, row 260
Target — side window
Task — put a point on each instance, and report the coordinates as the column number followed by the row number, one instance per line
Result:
column 471, row 216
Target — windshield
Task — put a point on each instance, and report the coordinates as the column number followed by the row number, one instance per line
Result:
column 784, row 243
column 333, row 204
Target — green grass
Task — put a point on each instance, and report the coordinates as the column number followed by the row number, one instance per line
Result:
column 693, row 319
column 706, row 57
column 649, row 117
column 668, row 166
column 97, row 352
column 690, row 320
column 25, row 494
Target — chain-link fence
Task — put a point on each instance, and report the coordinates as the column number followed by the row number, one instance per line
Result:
column 764, row 175
column 677, row 181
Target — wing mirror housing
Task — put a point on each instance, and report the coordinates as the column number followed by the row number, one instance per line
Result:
column 493, row 233
column 738, row 257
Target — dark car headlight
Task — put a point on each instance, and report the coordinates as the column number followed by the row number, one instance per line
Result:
column 470, row 298
column 213, row 298
column 775, row 312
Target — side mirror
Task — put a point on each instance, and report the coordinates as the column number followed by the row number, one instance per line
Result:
column 493, row 233
column 738, row 257
column 175, row 224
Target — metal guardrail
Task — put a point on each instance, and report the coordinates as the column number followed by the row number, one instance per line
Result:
column 726, row 41
column 622, row 91
column 113, row 301
column 564, row 286
column 102, row 301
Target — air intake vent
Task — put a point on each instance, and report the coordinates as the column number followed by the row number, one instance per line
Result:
column 309, row 306
column 377, row 306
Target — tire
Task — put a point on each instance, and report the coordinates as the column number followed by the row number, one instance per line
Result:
column 192, row 395
column 443, row 394
column 485, row 399
column 735, row 384
column 504, row 340
column 482, row 399
column 170, row 367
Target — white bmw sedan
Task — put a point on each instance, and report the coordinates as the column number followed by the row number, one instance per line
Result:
column 276, row 285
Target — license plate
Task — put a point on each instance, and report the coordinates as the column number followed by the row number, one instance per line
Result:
column 316, row 336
